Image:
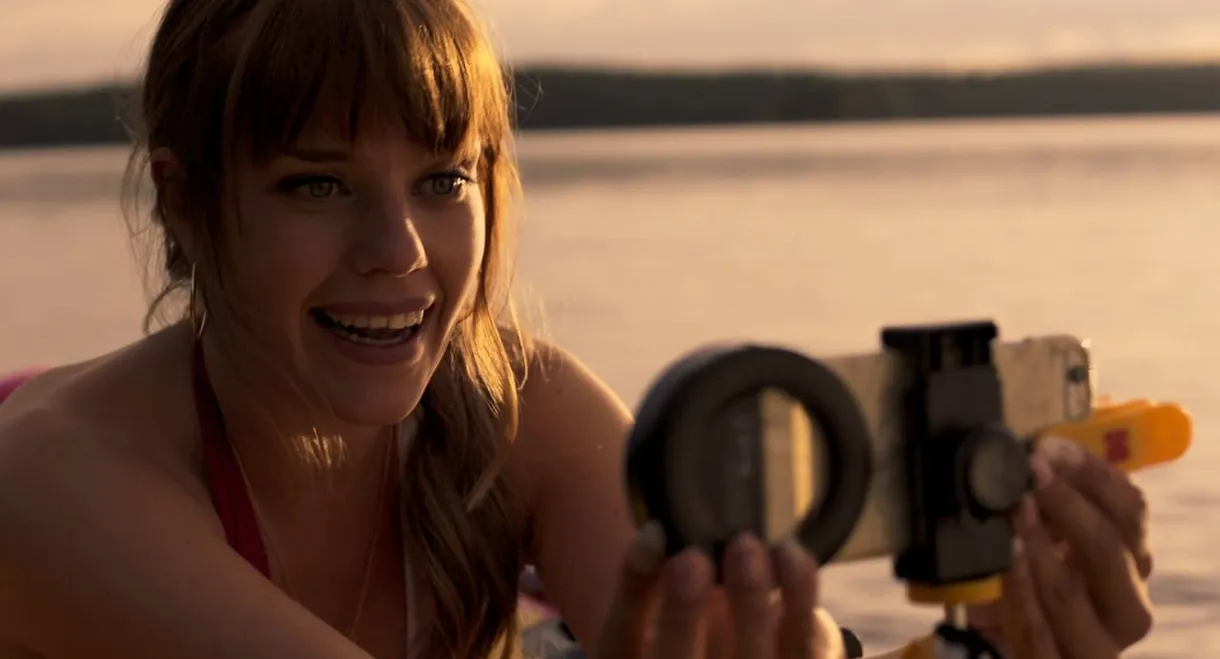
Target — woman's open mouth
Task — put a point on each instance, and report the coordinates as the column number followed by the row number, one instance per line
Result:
column 375, row 331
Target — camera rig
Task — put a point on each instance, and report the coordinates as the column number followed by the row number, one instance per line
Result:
column 698, row 459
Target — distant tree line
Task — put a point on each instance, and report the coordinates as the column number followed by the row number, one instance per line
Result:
column 550, row 98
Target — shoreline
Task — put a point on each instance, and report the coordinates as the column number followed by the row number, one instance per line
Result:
column 588, row 99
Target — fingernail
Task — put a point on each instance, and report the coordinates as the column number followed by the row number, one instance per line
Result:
column 648, row 550
column 788, row 556
column 1019, row 565
column 747, row 553
column 1060, row 451
column 687, row 575
column 1028, row 517
column 793, row 551
column 1043, row 472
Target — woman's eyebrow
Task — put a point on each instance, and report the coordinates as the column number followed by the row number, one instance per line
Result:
column 321, row 155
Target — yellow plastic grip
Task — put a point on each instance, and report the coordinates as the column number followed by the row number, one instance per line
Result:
column 1131, row 435
column 979, row 591
column 920, row 648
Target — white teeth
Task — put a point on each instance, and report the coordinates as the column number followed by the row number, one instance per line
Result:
column 394, row 322
column 405, row 320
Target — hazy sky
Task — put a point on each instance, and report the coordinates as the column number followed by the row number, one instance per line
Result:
column 51, row 42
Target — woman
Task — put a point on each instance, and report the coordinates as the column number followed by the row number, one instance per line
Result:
column 343, row 447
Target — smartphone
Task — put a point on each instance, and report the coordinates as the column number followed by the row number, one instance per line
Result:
column 1045, row 381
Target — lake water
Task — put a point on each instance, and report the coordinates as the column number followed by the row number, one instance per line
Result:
column 642, row 245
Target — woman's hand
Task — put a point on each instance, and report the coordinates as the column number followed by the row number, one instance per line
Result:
column 673, row 609
column 1077, row 589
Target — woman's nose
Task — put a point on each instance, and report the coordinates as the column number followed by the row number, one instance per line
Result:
column 390, row 241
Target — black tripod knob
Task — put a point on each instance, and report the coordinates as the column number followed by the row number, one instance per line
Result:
column 995, row 470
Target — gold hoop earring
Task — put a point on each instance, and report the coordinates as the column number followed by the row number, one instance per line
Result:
column 196, row 318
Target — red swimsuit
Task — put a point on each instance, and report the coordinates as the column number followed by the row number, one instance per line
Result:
column 224, row 478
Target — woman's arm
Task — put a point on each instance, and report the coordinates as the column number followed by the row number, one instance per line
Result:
column 103, row 556
column 570, row 458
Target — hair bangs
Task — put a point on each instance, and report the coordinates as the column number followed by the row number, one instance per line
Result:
column 348, row 69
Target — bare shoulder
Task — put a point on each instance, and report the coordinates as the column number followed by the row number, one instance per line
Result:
column 133, row 402
column 58, row 423
column 567, row 414
column 9, row 650
column 53, row 468
column 559, row 388
column 105, row 530
column 69, row 449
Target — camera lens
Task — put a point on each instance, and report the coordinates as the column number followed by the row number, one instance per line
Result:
column 753, row 439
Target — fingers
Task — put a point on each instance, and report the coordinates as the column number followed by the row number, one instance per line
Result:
column 1027, row 635
column 1062, row 595
column 1098, row 551
column 717, row 639
column 689, row 578
column 786, row 624
column 798, row 636
column 1109, row 489
column 748, row 581
column 625, row 631
column 662, row 607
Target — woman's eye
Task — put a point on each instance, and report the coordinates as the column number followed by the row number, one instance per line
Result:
column 446, row 185
column 321, row 189
column 315, row 187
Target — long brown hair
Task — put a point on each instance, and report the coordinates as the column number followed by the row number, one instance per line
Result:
column 230, row 79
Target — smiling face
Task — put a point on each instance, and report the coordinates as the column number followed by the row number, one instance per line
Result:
column 344, row 174
column 355, row 261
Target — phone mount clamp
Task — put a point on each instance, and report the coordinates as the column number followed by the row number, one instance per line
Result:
column 966, row 474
